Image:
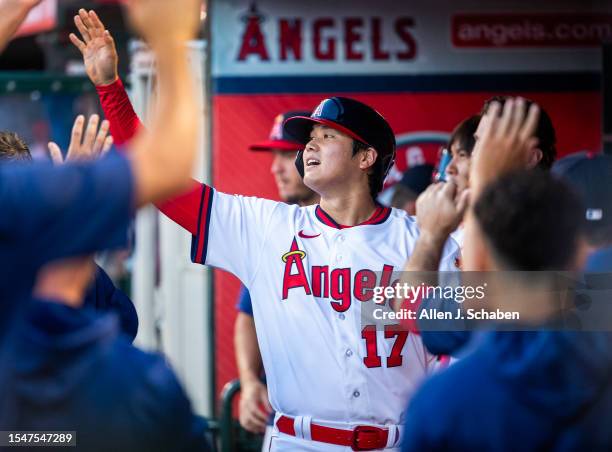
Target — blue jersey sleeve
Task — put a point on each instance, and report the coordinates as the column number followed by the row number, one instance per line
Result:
column 48, row 213
column 103, row 296
column 53, row 212
column 443, row 337
column 244, row 302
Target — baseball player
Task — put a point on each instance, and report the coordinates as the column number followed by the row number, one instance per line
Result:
column 255, row 410
column 335, row 382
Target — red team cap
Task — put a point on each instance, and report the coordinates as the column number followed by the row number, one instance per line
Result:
column 278, row 138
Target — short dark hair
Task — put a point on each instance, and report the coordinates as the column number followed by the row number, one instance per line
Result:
column 463, row 134
column 545, row 132
column 13, row 148
column 531, row 221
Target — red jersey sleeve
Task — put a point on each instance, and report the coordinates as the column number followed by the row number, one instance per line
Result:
column 124, row 125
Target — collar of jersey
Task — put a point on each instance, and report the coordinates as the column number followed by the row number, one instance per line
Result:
column 379, row 216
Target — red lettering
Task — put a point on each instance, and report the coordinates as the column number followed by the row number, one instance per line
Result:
column 395, row 358
column 371, row 358
column 290, row 38
column 402, row 26
column 340, row 282
column 253, row 41
column 299, row 279
column 320, row 277
column 377, row 52
column 330, row 52
column 352, row 36
column 365, row 281
column 385, row 278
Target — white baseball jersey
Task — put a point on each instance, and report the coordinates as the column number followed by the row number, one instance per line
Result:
column 308, row 279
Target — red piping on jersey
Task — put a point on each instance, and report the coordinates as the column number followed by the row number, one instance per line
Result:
column 379, row 216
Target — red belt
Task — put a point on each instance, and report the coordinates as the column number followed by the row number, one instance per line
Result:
column 362, row 437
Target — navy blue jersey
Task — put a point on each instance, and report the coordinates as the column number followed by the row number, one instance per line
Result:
column 47, row 213
column 519, row 390
column 71, row 369
column 103, row 296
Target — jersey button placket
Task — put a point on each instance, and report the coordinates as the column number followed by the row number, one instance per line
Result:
column 340, row 238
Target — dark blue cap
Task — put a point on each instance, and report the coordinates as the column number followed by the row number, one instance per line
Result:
column 417, row 178
column 590, row 174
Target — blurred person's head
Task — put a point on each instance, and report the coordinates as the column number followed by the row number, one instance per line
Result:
column 546, row 151
column 526, row 221
column 414, row 182
column 13, row 148
column 591, row 176
column 349, row 148
column 290, row 185
column 460, row 146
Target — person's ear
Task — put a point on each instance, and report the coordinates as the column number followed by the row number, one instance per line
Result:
column 367, row 158
column 534, row 158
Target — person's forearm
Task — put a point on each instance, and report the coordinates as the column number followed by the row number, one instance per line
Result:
column 118, row 110
column 163, row 157
column 248, row 356
column 125, row 124
column 11, row 17
column 427, row 253
column 423, row 264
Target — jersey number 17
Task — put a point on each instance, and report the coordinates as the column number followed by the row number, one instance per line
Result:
column 372, row 358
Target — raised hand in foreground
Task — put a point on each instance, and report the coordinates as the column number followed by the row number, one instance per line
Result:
column 97, row 47
column 505, row 141
column 91, row 144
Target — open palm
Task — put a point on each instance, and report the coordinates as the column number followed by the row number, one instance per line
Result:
column 97, row 47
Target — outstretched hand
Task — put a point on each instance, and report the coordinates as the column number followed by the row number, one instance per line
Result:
column 162, row 22
column 97, row 47
column 26, row 3
column 12, row 15
column 84, row 146
column 505, row 141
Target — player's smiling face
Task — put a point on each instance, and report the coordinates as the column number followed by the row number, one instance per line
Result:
column 328, row 161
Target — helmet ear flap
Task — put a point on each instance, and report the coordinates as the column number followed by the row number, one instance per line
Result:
column 299, row 163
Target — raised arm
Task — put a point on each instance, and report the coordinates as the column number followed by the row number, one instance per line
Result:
column 162, row 159
column 100, row 57
column 12, row 15
column 101, row 60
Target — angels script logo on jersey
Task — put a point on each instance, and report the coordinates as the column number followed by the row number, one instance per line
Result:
column 339, row 284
